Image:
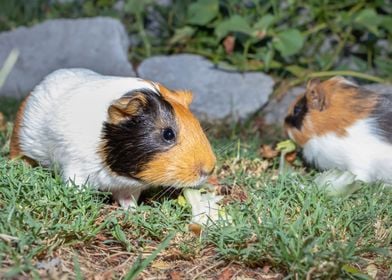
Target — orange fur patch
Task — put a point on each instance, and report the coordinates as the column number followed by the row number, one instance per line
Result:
column 192, row 154
column 15, row 149
column 182, row 97
column 344, row 105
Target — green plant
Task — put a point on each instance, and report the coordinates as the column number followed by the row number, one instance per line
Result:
column 290, row 39
column 284, row 223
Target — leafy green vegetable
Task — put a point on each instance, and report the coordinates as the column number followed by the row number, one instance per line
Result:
column 234, row 24
column 289, row 42
column 203, row 11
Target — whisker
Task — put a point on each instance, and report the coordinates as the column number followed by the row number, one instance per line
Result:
column 172, row 192
column 225, row 148
column 160, row 194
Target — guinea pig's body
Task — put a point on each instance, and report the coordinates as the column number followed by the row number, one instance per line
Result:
column 344, row 126
column 116, row 134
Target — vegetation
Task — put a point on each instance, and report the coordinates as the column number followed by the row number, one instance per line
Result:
column 281, row 225
column 289, row 39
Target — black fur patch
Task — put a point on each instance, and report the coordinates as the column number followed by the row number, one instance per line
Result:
column 297, row 117
column 133, row 142
column 383, row 115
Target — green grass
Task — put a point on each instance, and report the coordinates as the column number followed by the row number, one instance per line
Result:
column 284, row 223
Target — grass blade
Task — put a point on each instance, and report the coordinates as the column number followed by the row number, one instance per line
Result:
column 140, row 265
column 8, row 65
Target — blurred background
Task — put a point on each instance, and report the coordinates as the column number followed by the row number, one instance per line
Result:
column 237, row 56
column 287, row 39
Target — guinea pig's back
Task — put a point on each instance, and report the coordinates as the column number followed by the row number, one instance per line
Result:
column 40, row 111
column 63, row 116
column 383, row 116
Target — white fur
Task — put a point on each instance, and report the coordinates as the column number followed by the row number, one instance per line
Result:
column 361, row 152
column 62, row 126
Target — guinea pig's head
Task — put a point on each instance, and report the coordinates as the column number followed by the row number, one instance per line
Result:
column 329, row 106
column 152, row 136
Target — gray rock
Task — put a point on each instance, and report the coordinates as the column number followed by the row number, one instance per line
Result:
column 276, row 110
column 380, row 88
column 100, row 44
column 217, row 94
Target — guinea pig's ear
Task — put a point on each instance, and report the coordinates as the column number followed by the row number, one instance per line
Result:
column 315, row 95
column 182, row 97
column 126, row 107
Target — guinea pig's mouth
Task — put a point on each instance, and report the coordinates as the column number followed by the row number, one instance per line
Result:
column 289, row 133
column 195, row 185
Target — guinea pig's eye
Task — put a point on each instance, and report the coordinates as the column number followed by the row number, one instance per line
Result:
column 168, row 134
column 297, row 110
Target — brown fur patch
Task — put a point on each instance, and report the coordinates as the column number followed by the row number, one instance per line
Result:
column 185, row 162
column 182, row 97
column 15, row 149
column 192, row 154
column 343, row 104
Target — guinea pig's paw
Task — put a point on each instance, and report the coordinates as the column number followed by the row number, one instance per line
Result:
column 128, row 204
column 127, row 198
column 337, row 182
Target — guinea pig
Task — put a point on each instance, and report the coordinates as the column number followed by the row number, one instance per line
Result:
column 116, row 134
column 344, row 126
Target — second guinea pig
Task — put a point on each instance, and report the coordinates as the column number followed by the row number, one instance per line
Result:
column 116, row 134
column 342, row 125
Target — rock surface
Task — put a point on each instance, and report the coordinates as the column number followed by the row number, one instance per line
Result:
column 100, row 44
column 217, row 94
column 276, row 110
column 380, row 88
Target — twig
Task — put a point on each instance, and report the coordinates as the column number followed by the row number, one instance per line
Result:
column 208, row 268
column 8, row 238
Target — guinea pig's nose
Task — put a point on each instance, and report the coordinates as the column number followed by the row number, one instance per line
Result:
column 205, row 172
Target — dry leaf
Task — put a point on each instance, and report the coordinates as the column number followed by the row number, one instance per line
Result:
column 107, row 275
column 101, row 237
column 229, row 43
column 213, row 180
column 195, row 228
column 268, row 152
column 159, row 264
column 173, row 254
column 226, row 274
column 290, row 157
column 176, row 275
column 266, row 269
column 238, row 194
column 372, row 270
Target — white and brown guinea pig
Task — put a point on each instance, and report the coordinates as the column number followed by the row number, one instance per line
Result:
column 344, row 126
column 117, row 134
